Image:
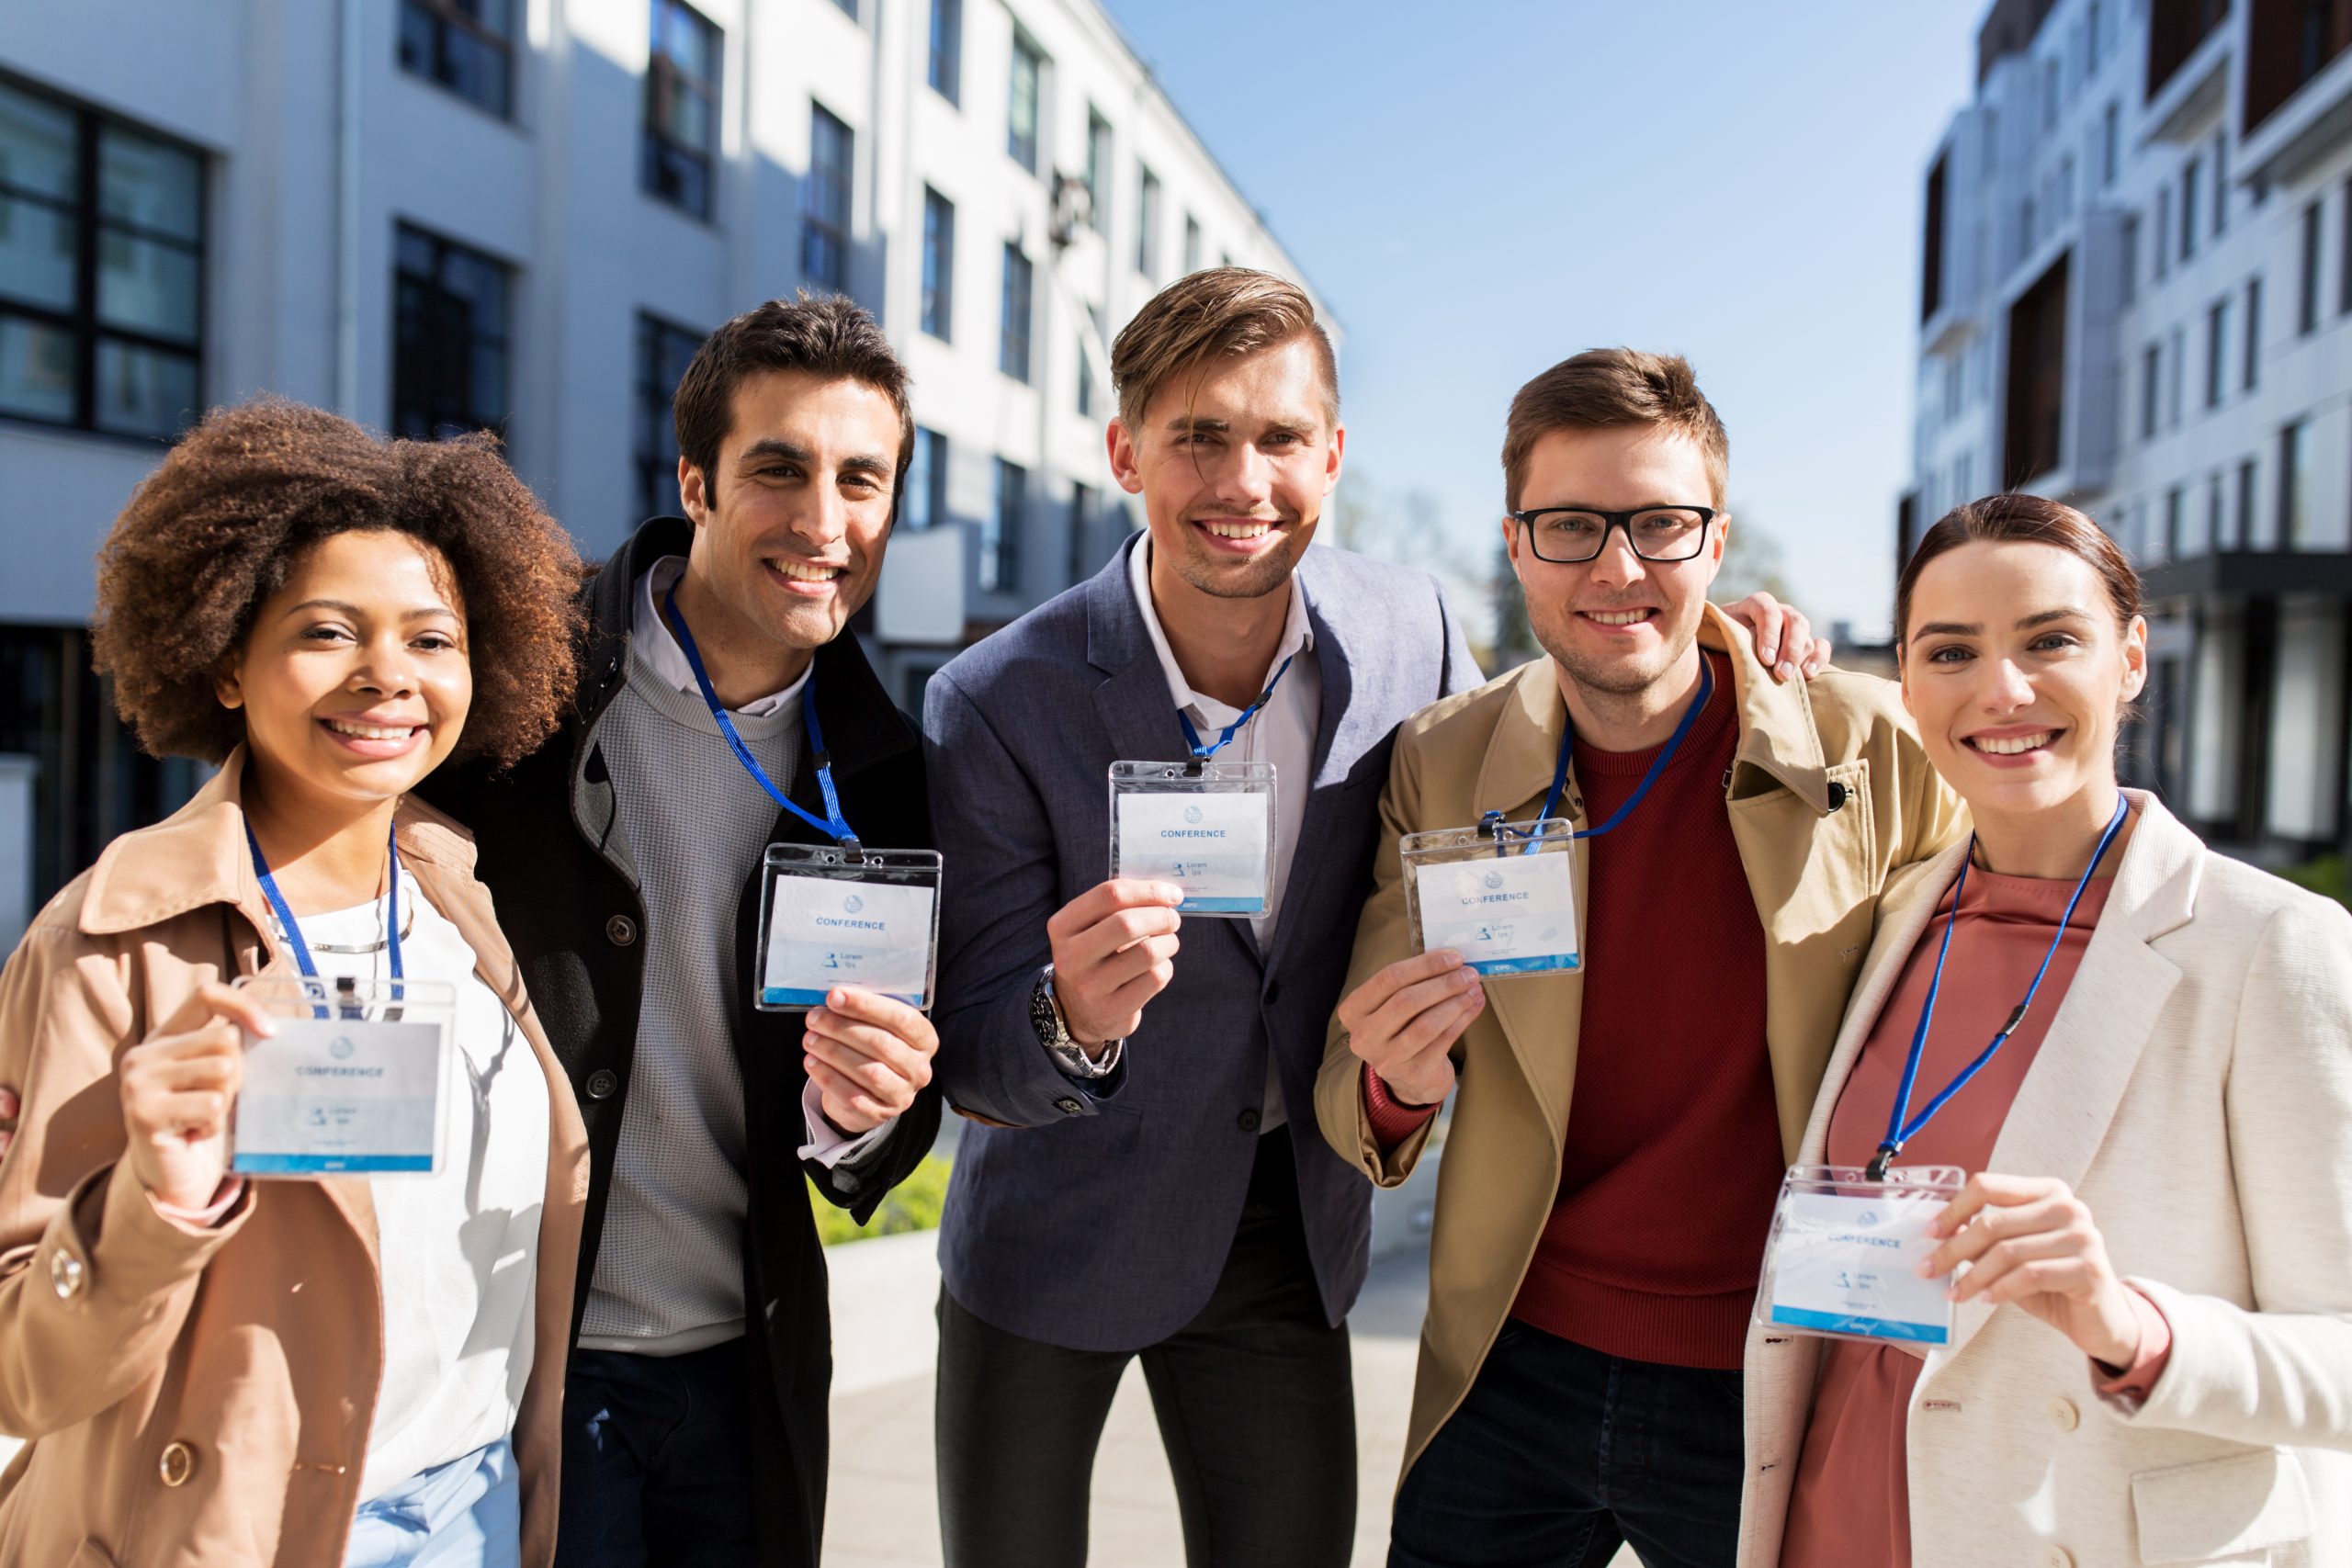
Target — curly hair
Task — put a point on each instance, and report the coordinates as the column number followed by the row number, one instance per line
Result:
column 218, row 527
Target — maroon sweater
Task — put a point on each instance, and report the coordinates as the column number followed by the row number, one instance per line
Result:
column 1673, row 1156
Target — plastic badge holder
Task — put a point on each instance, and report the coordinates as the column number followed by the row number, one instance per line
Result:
column 1206, row 826
column 827, row 919
column 1840, row 1260
column 1505, row 899
column 354, row 1081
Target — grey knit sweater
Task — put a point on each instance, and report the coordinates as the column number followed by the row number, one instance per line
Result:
column 670, row 1270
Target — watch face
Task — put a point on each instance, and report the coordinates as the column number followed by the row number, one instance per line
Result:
column 1043, row 1018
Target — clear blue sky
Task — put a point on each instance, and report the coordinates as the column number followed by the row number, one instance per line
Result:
column 1479, row 189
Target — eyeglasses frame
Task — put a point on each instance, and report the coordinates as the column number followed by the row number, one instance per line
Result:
column 1621, row 521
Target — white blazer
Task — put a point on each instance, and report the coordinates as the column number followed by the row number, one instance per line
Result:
column 2195, row 1089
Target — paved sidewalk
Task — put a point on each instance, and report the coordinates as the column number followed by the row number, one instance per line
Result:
column 883, row 1512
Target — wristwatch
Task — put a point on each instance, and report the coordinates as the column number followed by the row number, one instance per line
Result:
column 1053, row 1033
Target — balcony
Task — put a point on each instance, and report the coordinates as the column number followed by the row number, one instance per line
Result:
column 2252, row 574
column 2196, row 90
column 2298, row 92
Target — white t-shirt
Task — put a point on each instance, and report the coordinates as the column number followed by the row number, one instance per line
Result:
column 459, row 1250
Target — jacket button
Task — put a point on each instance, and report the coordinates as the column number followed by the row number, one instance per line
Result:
column 2058, row 1557
column 620, row 930
column 178, row 1465
column 1248, row 1121
column 1067, row 1106
column 602, row 1083
column 65, row 1274
column 2064, row 1415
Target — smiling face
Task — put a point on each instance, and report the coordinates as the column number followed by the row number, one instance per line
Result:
column 790, row 527
column 1233, row 464
column 355, row 680
column 1616, row 624
column 2017, row 671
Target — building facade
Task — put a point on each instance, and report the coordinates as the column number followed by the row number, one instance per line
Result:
column 2136, row 295
column 525, row 214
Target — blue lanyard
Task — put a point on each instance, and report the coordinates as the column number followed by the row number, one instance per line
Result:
column 1225, row 737
column 1899, row 1131
column 832, row 825
column 1493, row 822
column 293, row 929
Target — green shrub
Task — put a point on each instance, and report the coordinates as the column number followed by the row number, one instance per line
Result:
column 913, row 1205
column 2327, row 875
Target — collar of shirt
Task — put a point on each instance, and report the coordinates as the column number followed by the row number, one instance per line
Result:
column 657, row 646
column 1298, row 635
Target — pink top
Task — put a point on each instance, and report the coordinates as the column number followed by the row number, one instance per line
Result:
column 1849, row 1505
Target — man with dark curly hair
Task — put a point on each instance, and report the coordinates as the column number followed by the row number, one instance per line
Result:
column 627, row 857
column 347, row 1368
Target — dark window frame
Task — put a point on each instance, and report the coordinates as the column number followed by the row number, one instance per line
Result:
column 1101, row 159
column 82, row 322
column 445, row 17
column 1019, row 309
column 2252, row 369
column 2216, row 352
column 2307, row 310
column 656, row 453
column 2248, row 493
column 2294, row 518
column 936, row 306
column 825, row 232
column 1148, row 190
column 927, row 473
column 405, row 374
column 1025, row 53
column 665, row 162
column 1000, row 563
column 943, row 52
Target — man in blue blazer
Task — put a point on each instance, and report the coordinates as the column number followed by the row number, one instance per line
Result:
column 1135, row 1187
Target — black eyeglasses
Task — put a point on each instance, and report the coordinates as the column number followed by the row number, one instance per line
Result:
column 1569, row 535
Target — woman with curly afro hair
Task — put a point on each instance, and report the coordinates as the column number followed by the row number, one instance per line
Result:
column 232, row 1335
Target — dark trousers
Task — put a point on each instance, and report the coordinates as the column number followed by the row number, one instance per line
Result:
column 1254, row 1399
column 1561, row 1454
column 657, row 1468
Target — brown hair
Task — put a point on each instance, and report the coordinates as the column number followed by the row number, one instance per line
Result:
column 1608, row 388
column 829, row 337
column 2023, row 519
column 1221, row 312
column 217, row 528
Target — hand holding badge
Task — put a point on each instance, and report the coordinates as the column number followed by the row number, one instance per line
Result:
column 1848, row 1245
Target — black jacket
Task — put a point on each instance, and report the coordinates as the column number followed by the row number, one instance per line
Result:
column 546, row 833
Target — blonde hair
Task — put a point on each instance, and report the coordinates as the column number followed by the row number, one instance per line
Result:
column 1221, row 312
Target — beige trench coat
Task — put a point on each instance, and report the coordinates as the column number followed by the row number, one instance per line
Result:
column 203, row 1396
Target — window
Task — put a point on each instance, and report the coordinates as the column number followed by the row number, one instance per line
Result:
column 2033, row 430
column 824, row 202
column 923, row 504
column 1192, row 244
column 1001, row 535
column 1146, row 222
column 2216, row 352
column 2173, row 507
column 2307, row 310
column 101, row 271
column 2151, row 385
column 2294, row 484
column 2344, row 261
column 2164, row 230
column 848, row 9
column 681, row 108
column 1931, row 246
column 1098, row 171
column 2131, row 291
column 938, row 264
column 449, row 326
column 466, row 45
column 1085, row 383
column 2110, row 144
column 1021, row 127
column 2188, row 209
column 1081, row 531
column 2179, row 368
column 946, row 69
column 663, row 352
column 2221, row 183
column 2213, row 525
column 2252, row 333
column 2245, row 503
column 1012, row 350
column 2091, row 38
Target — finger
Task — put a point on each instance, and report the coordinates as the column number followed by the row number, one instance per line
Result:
column 2073, row 1277
column 1127, row 1001
column 1117, row 969
column 1440, row 1027
column 885, row 1055
column 1358, row 1005
column 1115, row 934
column 198, row 1115
column 1106, row 898
column 1817, row 657
column 859, row 1005
column 881, row 1081
column 184, row 1073
column 238, row 1007
column 218, row 1039
column 1769, row 625
column 1987, row 1189
column 1993, row 1226
column 847, row 1103
column 2002, row 1256
column 1408, row 1004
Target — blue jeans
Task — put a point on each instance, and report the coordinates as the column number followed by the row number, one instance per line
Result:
column 464, row 1513
column 1561, row 1454
column 657, row 1465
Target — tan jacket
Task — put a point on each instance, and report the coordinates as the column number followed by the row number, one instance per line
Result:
column 203, row 1396
column 1817, row 870
column 2195, row 1089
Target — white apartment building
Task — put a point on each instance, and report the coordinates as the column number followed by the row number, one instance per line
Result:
column 438, row 214
column 2137, row 297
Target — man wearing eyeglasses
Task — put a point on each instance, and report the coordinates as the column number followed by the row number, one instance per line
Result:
column 1622, row 1124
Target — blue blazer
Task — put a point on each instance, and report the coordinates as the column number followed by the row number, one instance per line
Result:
column 1100, row 1220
